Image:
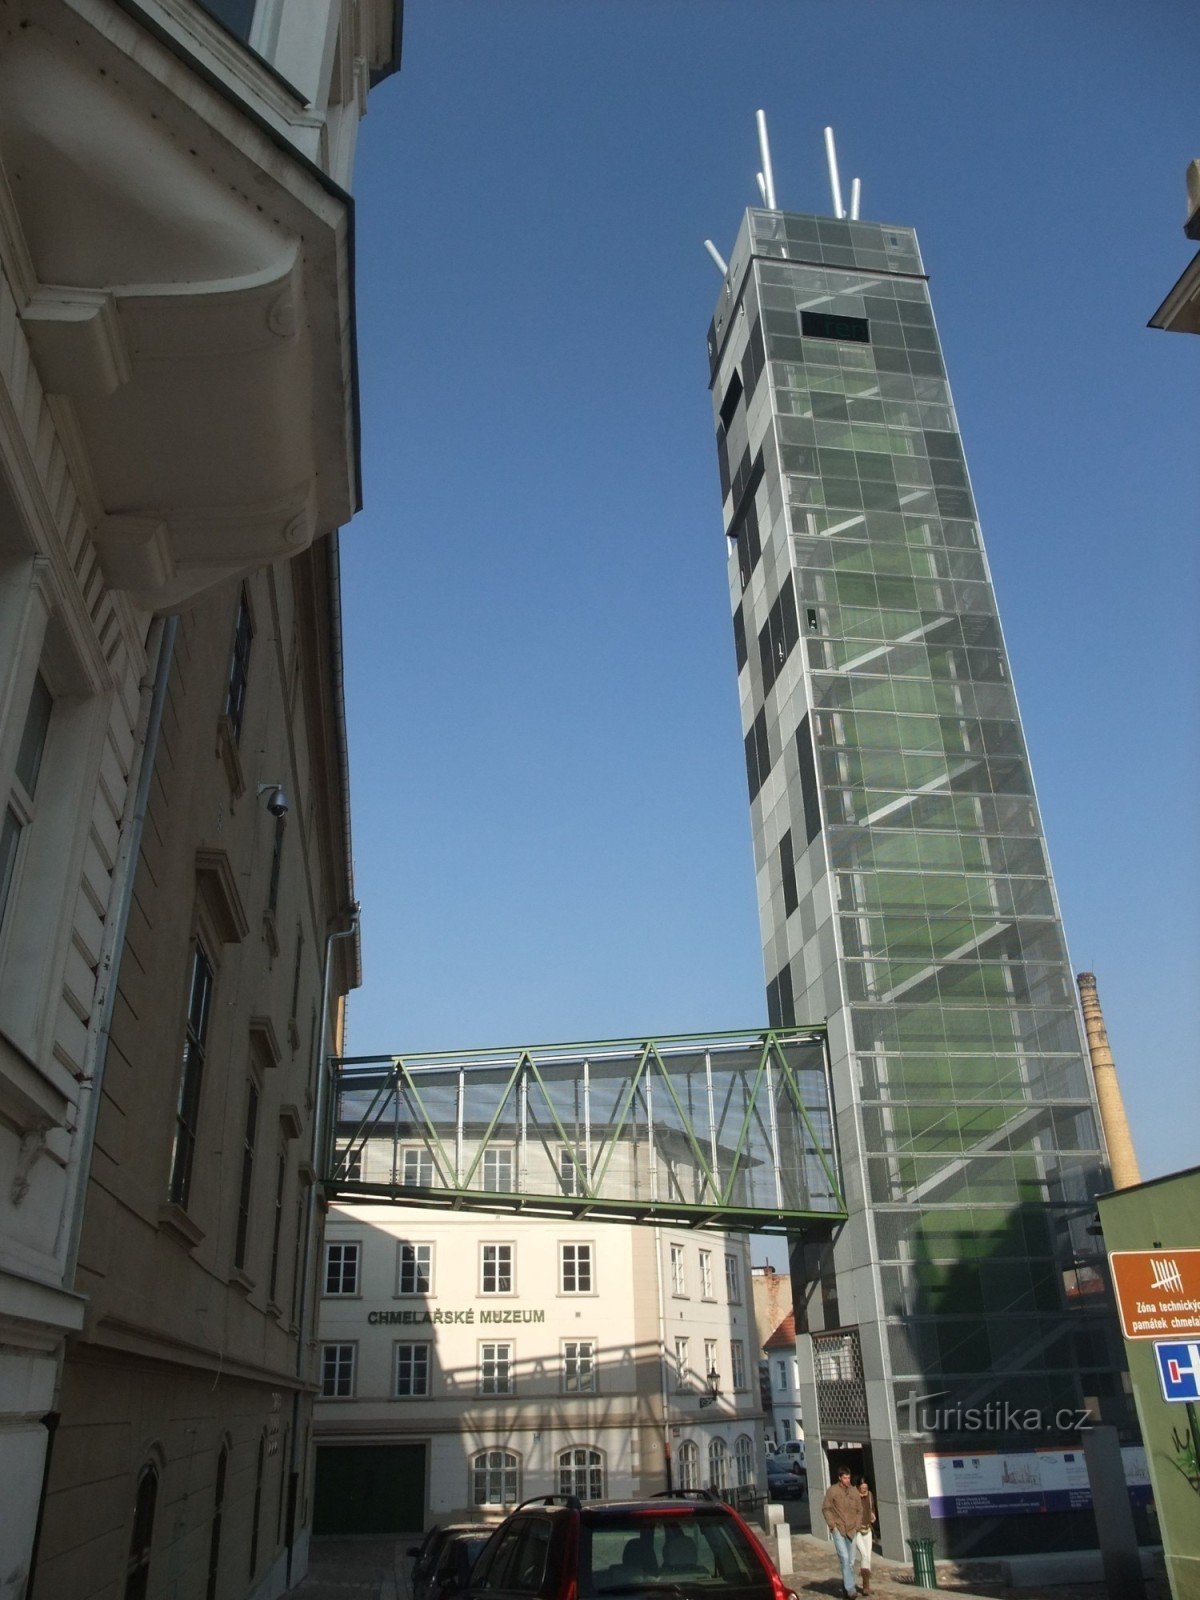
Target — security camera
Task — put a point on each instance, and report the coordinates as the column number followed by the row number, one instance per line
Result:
column 277, row 800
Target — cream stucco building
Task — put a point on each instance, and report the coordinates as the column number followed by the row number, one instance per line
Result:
column 178, row 447
column 469, row 1361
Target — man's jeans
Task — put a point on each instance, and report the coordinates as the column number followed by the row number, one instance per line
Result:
column 845, row 1550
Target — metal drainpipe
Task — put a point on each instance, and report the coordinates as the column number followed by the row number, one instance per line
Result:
column 664, row 1381
column 112, row 948
column 160, row 644
column 320, row 1073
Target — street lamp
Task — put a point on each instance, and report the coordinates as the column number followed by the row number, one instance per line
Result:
column 713, row 1393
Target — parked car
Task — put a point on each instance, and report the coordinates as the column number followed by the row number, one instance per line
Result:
column 786, row 1480
column 443, row 1553
column 685, row 1543
column 793, row 1448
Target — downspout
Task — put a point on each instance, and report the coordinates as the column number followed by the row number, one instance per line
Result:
column 137, row 800
column 664, row 1383
column 320, row 1076
column 160, row 645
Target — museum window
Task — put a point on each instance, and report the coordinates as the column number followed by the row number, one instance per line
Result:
column 337, row 1371
column 20, row 811
column 581, row 1473
column 412, row 1370
column 416, row 1167
column 342, row 1262
column 718, row 1465
column 743, row 1456
column 575, row 1268
column 195, row 1043
column 496, row 1274
column 495, row 1478
column 683, row 1362
column 706, row 1275
column 579, row 1366
column 246, row 1181
column 733, row 1282
column 239, row 666
column 687, row 1464
column 137, row 1568
column 415, row 1268
column 498, row 1169
column 737, row 1363
column 495, row 1367
column 678, row 1270
column 573, row 1176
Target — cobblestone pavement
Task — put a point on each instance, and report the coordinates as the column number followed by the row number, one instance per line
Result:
column 378, row 1569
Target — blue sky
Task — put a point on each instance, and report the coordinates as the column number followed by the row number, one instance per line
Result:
column 551, row 827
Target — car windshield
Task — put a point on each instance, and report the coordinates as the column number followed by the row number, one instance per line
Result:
column 678, row 1551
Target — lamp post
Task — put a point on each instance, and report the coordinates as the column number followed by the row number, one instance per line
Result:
column 713, row 1393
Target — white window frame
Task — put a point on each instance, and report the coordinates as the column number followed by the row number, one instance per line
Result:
column 574, row 1176
column 683, row 1363
column 412, row 1346
column 678, row 1270
column 497, row 1245
column 416, row 1160
column 743, row 1461
column 340, row 1345
column 495, row 1156
column 737, row 1365
column 706, row 1275
column 718, row 1463
column 501, row 1469
column 415, row 1245
column 578, row 1366
column 781, row 1374
column 689, row 1464
column 581, row 1266
column 712, row 1359
column 733, row 1280
column 355, row 1247
column 581, row 1472
column 497, row 1367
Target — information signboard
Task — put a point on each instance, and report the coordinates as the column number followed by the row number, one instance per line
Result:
column 1158, row 1293
column 1020, row 1482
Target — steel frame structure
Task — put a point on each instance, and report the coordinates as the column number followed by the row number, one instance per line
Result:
column 709, row 1131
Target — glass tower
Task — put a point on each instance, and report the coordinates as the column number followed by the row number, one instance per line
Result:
column 905, row 894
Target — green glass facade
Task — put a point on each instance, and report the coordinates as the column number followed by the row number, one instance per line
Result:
column 904, row 889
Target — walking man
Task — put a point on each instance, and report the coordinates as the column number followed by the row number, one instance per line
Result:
column 842, row 1509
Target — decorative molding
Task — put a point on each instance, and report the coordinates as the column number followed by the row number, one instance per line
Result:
column 174, row 1220
column 219, row 890
column 135, row 553
column 290, row 1121
column 77, row 341
column 264, row 1042
column 33, row 1144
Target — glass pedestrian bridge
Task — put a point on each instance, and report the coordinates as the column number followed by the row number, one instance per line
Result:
column 719, row 1131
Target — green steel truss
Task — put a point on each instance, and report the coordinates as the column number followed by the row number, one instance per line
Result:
column 728, row 1130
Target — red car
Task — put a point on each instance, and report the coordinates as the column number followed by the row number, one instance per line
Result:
column 686, row 1545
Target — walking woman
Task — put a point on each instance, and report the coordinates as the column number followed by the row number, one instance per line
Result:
column 864, row 1538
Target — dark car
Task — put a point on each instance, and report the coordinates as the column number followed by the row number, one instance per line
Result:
column 436, row 1565
column 785, row 1481
column 687, row 1545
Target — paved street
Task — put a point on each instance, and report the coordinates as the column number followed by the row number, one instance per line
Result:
column 377, row 1569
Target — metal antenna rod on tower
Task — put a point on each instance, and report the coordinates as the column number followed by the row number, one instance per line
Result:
column 764, row 151
column 722, row 265
column 762, row 186
column 855, row 198
column 835, row 184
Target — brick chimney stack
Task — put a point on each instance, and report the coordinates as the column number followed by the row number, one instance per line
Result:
column 1121, row 1157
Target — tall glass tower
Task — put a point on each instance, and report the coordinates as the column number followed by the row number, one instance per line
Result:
column 905, row 898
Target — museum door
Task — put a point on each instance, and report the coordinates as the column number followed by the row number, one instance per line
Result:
column 369, row 1488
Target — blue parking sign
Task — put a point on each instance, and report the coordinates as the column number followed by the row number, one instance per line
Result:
column 1179, row 1370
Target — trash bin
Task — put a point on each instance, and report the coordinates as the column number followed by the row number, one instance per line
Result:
column 924, row 1571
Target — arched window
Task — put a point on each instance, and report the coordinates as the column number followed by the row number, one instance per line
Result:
column 743, row 1454
column 137, row 1571
column 688, row 1462
column 214, row 1537
column 718, row 1465
column 581, row 1473
column 495, row 1478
